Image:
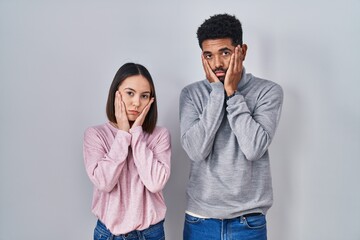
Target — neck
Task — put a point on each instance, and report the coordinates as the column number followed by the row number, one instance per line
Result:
column 116, row 126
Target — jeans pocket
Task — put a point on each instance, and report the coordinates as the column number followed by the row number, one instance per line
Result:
column 192, row 219
column 100, row 232
column 256, row 222
column 155, row 232
column 100, row 236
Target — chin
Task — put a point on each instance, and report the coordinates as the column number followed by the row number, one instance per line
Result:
column 131, row 118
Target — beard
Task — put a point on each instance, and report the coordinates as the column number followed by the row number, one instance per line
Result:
column 221, row 71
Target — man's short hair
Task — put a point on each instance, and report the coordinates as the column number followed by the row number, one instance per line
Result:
column 221, row 26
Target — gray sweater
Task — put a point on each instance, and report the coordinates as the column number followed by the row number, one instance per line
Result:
column 227, row 141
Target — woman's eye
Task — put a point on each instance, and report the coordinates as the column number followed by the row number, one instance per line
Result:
column 130, row 93
column 145, row 96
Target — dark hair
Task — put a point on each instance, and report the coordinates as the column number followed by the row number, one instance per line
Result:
column 221, row 26
column 125, row 71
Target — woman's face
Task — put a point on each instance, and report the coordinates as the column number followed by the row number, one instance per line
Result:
column 135, row 92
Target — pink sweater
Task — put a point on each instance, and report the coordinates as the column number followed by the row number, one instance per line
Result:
column 129, row 171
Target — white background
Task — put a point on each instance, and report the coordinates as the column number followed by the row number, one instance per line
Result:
column 58, row 58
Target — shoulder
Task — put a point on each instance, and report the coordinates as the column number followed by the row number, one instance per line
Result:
column 102, row 131
column 159, row 137
column 197, row 91
column 265, row 86
column 96, row 128
column 161, row 132
column 196, row 86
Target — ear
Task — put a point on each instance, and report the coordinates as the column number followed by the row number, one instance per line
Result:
column 243, row 50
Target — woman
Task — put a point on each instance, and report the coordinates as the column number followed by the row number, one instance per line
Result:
column 128, row 160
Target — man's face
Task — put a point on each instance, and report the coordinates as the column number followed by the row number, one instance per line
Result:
column 218, row 54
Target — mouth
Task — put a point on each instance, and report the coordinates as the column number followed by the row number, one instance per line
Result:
column 133, row 112
column 220, row 73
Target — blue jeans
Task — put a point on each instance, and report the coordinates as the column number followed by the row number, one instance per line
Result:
column 248, row 227
column 154, row 232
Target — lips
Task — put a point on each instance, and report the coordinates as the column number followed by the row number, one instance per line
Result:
column 133, row 112
column 219, row 73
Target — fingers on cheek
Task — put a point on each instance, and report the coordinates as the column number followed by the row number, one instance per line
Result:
column 206, row 69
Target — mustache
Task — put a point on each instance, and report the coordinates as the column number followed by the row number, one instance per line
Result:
column 219, row 69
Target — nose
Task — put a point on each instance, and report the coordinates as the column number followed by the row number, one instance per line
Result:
column 136, row 102
column 218, row 62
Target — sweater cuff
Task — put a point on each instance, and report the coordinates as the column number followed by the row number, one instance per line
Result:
column 122, row 141
column 235, row 99
column 217, row 86
column 135, row 132
column 123, row 135
column 137, row 129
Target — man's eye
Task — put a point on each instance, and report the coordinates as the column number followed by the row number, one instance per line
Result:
column 208, row 56
column 226, row 53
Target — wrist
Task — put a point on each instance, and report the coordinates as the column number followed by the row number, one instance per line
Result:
column 230, row 92
column 231, row 95
column 230, row 88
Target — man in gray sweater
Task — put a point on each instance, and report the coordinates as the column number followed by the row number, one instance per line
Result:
column 227, row 123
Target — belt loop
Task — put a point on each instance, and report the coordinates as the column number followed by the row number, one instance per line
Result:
column 242, row 219
column 140, row 236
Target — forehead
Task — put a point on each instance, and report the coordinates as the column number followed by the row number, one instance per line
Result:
column 138, row 83
column 215, row 45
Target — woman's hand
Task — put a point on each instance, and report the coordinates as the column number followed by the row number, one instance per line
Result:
column 140, row 119
column 122, row 121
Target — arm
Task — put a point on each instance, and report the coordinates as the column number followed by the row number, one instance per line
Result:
column 102, row 167
column 254, row 131
column 153, row 161
column 198, row 130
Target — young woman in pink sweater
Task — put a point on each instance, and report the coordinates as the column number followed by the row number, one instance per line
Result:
column 128, row 160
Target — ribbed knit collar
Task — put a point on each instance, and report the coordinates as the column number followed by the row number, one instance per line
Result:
column 244, row 79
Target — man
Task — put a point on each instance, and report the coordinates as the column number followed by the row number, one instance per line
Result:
column 227, row 123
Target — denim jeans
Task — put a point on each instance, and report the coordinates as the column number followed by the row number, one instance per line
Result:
column 154, row 232
column 252, row 227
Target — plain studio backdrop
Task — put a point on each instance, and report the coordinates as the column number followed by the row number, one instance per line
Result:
column 58, row 58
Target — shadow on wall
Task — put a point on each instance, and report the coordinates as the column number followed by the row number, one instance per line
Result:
column 287, row 142
column 175, row 189
column 290, row 151
column 282, row 160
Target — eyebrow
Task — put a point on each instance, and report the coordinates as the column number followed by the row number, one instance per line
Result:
column 225, row 49
column 135, row 91
column 220, row 50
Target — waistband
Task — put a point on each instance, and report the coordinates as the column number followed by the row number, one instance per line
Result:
column 135, row 233
column 242, row 216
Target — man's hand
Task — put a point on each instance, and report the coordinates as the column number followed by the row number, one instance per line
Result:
column 122, row 121
column 234, row 71
column 210, row 75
